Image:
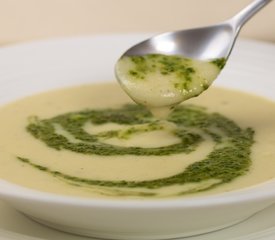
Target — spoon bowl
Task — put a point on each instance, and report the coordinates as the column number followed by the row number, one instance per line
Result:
column 200, row 43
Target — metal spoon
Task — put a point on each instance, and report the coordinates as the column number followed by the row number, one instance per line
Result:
column 203, row 43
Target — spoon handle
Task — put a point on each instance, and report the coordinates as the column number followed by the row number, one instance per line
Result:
column 243, row 16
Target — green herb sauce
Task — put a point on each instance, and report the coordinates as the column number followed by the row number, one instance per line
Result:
column 166, row 65
column 220, row 62
column 229, row 159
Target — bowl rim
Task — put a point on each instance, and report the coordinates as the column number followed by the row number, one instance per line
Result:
column 259, row 192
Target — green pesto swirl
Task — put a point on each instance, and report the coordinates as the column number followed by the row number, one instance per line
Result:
column 229, row 159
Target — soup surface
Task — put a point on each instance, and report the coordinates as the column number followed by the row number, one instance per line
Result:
column 92, row 141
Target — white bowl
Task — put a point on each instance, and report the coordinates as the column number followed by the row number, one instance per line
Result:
column 41, row 66
column 110, row 219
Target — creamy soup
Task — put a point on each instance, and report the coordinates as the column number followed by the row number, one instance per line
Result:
column 160, row 81
column 93, row 141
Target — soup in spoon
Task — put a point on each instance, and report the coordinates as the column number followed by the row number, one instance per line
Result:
column 160, row 81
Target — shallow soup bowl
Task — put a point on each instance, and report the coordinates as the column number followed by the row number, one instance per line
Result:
column 36, row 67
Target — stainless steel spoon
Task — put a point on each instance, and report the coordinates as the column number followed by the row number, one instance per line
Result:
column 203, row 43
